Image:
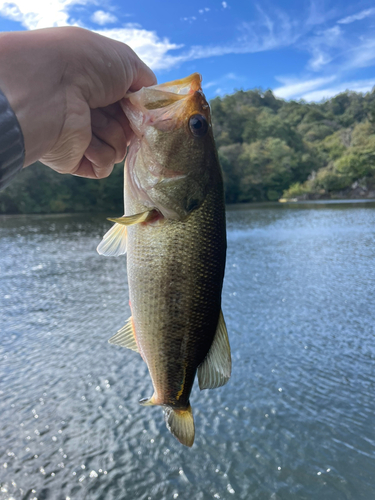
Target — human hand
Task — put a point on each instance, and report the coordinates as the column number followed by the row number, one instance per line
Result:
column 64, row 85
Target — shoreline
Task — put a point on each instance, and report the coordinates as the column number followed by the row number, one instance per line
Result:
column 300, row 201
column 358, row 193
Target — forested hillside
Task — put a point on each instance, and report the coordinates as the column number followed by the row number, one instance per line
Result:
column 38, row 189
column 269, row 148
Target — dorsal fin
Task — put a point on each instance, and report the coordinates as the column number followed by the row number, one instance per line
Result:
column 126, row 337
column 216, row 368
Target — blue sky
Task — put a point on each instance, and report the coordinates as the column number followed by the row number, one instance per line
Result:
column 300, row 49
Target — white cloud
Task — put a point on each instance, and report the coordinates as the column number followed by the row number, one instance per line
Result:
column 222, row 80
column 317, row 89
column 337, row 51
column 152, row 49
column 254, row 37
column 336, row 54
column 325, row 93
column 319, row 60
column 357, row 17
column 225, row 84
column 51, row 13
column 189, row 19
column 224, row 4
column 267, row 33
column 323, row 47
column 132, row 25
column 210, row 84
column 361, row 55
column 102, row 18
column 317, row 14
column 39, row 13
column 257, row 36
column 293, row 88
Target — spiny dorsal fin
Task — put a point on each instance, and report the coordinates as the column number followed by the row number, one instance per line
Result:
column 125, row 337
column 113, row 243
column 216, row 368
column 129, row 220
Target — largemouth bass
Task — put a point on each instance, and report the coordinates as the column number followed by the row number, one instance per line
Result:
column 174, row 233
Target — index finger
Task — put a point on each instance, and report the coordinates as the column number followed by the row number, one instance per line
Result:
column 116, row 112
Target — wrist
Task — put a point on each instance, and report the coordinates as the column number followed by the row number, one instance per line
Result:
column 30, row 72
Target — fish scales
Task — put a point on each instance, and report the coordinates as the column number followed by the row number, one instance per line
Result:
column 175, row 273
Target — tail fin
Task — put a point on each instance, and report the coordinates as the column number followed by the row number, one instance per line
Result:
column 181, row 424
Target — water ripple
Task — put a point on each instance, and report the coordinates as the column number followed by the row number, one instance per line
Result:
column 296, row 420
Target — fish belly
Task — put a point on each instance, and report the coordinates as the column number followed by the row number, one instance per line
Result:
column 175, row 273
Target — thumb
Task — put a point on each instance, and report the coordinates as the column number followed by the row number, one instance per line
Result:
column 143, row 75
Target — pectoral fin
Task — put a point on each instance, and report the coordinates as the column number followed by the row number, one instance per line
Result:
column 113, row 243
column 129, row 220
column 126, row 337
column 216, row 368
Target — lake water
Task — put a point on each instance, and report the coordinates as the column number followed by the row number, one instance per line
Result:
column 295, row 421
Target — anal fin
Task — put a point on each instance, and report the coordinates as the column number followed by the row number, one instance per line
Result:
column 216, row 368
column 126, row 337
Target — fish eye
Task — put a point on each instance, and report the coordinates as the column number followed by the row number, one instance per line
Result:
column 198, row 125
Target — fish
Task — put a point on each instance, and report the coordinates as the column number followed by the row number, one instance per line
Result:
column 174, row 234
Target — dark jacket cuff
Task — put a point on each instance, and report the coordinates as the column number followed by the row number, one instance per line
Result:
column 12, row 146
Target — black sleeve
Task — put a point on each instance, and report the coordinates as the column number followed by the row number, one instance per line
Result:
column 12, row 146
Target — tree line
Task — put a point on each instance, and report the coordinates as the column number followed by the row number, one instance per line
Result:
column 269, row 149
